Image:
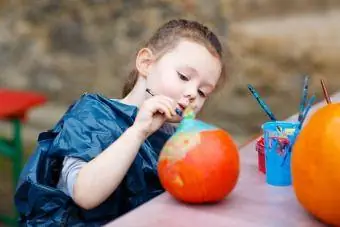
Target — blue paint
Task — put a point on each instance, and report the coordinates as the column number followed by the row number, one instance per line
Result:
column 178, row 112
column 194, row 125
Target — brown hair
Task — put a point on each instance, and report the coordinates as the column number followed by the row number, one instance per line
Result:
column 168, row 36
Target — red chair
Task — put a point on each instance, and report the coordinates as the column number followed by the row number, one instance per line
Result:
column 14, row 106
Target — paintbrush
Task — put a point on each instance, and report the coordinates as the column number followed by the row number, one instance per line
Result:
column 303, row 98
column 306, row 111
column 178, row 111
column 263, row 105
column 304, row 115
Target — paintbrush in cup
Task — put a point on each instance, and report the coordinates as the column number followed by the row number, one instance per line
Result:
column 303, row 98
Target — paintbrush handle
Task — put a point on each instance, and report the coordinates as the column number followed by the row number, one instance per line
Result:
column 305, row 112
column 303, row 98
column 263, row 105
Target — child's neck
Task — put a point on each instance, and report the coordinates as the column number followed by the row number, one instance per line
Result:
column 137, row 95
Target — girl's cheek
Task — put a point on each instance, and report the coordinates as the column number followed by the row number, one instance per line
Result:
column 200, row 104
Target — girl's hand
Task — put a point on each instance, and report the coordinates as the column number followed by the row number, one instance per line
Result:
column 153, row 113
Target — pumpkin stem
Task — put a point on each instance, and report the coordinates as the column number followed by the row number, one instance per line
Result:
column 325, row 92
column 189, row 113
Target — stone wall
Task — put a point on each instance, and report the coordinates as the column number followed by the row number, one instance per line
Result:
column 65, row 48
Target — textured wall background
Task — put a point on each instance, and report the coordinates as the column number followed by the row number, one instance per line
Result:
column 65, row 48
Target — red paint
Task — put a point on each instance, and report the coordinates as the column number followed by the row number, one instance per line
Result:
column 260, row 155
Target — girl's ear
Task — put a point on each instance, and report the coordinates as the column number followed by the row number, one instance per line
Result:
column 144, row 60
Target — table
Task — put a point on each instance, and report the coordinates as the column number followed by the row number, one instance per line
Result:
column 252, row 203
column 14, row 105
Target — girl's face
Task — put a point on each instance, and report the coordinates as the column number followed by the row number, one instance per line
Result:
column 187, row 73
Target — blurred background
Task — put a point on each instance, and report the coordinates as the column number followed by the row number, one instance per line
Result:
column 65, row 48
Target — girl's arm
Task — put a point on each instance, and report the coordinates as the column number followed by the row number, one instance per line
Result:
column 98, row 178
column 101, row 176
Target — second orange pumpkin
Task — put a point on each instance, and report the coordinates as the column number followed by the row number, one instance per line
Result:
column 316, row 165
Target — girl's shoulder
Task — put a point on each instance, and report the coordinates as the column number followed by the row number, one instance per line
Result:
column 99, row 106
column 96, row 113
column 91, row 124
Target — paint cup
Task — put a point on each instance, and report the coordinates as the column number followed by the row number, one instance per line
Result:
column 278, row 139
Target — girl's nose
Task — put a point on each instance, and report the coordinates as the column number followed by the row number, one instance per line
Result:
column 191, row 93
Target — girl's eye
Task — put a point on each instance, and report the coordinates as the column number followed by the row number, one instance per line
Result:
column 202, row 94
column 182, row 77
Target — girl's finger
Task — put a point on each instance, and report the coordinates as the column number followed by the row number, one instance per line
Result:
column 162, row 108
column 169, row 103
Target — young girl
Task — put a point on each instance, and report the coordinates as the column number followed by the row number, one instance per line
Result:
column 100, row 160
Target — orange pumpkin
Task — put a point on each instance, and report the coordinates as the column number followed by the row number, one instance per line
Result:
column 199, row 163
column 316, row 165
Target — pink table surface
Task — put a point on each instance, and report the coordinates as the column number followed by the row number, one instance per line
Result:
column 252, row 203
